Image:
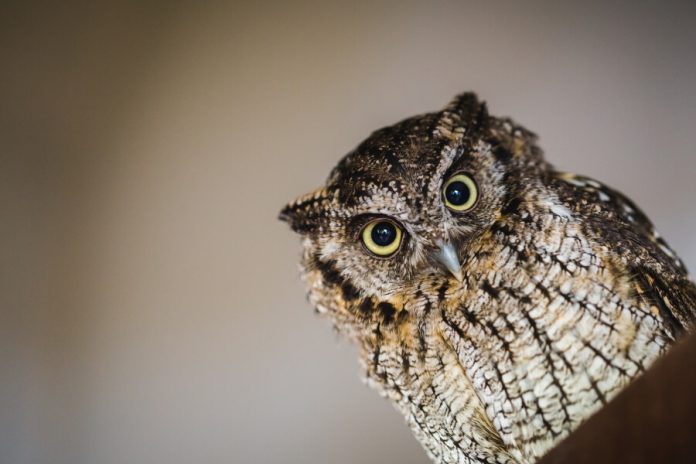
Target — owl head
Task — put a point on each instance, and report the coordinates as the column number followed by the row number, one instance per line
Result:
column 401, row 209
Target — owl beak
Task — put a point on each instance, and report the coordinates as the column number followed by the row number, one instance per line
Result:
column 447, row 255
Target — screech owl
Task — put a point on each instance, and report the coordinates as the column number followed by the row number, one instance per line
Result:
column 496, row 301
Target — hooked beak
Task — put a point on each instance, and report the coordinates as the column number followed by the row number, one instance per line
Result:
column 447, row 255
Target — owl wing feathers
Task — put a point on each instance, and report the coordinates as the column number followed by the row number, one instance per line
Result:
column 655, row 270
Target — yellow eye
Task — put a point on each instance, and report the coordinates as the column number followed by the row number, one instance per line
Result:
column 460, row 193
column 382, row 237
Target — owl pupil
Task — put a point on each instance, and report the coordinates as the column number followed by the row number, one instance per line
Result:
column 457, row 193
column 383, row 234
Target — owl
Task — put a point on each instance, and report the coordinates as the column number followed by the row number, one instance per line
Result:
column 496, row 301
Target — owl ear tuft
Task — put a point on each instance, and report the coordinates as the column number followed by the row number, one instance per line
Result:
column 464, row 114
column 463, row 104
column 308, row 213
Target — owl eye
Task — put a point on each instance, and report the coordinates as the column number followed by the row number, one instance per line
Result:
column 460, row 193
column 382, row 237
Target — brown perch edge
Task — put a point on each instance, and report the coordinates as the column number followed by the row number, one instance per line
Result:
column 652, row 421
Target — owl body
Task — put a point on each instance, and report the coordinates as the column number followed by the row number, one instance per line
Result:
column 496, row 329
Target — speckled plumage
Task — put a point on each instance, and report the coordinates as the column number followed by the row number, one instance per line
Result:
column 567, row 292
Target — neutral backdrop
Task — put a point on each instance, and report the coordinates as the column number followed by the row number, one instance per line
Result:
column 150, row 306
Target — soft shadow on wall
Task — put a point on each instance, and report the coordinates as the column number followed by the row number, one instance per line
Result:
column 150, row 307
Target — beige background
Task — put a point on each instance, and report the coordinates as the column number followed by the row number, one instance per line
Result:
column 150, row 310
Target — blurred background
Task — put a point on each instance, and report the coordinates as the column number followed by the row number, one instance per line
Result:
column 150, row 305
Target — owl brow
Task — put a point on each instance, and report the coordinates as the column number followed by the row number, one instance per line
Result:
column 362, row 215
column 452, row 160
column 458, row 162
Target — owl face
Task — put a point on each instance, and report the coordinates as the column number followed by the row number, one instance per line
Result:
column 404, row 205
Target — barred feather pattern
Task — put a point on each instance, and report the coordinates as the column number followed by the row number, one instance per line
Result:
column 567, row 292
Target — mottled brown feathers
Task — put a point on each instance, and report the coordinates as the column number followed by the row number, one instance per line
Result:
column 557, row 291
